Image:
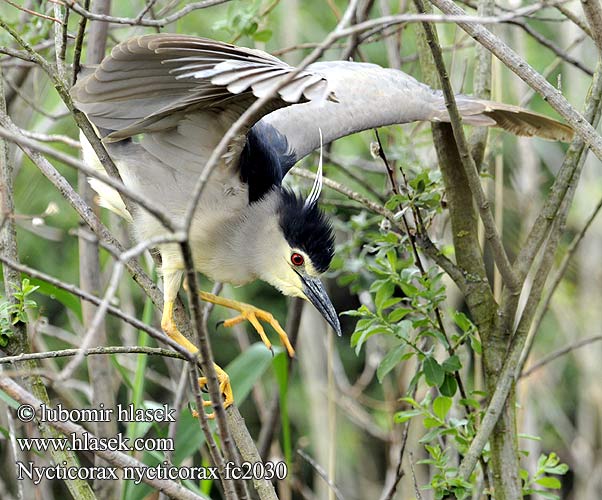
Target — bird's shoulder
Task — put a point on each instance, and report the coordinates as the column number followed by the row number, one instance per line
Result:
column 264, row 160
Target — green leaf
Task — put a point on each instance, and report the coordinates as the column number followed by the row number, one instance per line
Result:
column 559, row 469
column 470, row 402
column 449, row 386
column 393, row 202
column 462, row 321
column 390, row 361
column 410, row 401
column 64, row 297
column 188, row 438
column 281, row 370
column 358, row 338
column 383, row 294
column 433, row 373
column 391, row 302
column 430, row 422
column 408, row 289
column 247, row 368
column 392, row 258
column 431, row 435
column 8, row 400
column 451, row 364
column 546, row 494
column 441, row 406
column 398, row 314
column 475, row 343
column 529, row 436
column 549, row 482
column 262, row 36
column 404, row 416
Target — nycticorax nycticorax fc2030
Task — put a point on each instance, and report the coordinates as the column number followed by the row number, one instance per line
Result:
column 163, row 102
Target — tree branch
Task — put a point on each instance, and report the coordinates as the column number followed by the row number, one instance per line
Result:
column 529, row 75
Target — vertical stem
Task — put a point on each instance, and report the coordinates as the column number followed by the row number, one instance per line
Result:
column 479, row 297
column 99, row 367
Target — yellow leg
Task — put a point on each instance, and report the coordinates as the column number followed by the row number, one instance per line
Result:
column 169, row 327
column 253, row 315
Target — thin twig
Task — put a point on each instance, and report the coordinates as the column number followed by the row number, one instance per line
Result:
column 529, row 75
column 472, row 174
column 72, row 4
column 559, row 353
column 33, row 12
column 65, row 139
column 321, row 472
column 156, row 334
column 93, row 351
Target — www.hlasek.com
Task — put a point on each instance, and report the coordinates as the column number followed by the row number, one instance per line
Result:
column 163, row 471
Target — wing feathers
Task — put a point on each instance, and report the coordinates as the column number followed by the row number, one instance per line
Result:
column 369, row 96
column 161, row 74
column 514, row 119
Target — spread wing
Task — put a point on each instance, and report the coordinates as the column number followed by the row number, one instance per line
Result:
column 370, row 96
column 184, row 92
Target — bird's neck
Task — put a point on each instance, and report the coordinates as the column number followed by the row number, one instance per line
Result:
column 248, row 243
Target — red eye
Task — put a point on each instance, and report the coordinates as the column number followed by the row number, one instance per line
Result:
column 297, row 259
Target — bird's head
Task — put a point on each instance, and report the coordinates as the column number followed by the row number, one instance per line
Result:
column 305, row 253
column 301, row 247
column 296, row 248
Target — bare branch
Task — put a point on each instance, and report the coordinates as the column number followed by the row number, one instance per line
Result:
column 559, row 353
column 139, row 20
column 529, row 75
column 470, row 168
column 321, row 472
column 593, row 14
column 95, row 351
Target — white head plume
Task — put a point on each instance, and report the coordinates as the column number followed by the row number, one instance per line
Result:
column 316, row 189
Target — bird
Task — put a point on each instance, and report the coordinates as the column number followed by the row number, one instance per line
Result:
column 161, row 103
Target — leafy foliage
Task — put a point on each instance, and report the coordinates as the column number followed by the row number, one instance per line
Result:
column 13, row 313
column 546, row 465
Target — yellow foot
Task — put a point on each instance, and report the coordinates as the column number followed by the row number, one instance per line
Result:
column 170, row 328
column 253, row 315
column 224, row 387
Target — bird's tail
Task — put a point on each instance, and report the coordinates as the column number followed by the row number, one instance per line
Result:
column 514, row 119
column 108, row 197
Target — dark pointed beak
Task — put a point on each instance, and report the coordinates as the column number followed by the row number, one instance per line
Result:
column 316, row 293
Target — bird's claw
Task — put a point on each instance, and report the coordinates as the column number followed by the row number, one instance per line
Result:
column 224, row 387
column 253, row 315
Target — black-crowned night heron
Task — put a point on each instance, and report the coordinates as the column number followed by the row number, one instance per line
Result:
column 163, row 102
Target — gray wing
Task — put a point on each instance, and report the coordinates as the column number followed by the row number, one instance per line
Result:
column 370, row 96
column 184, row 92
